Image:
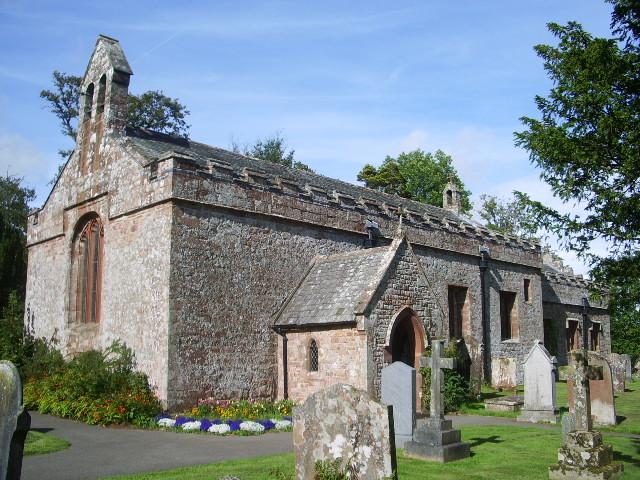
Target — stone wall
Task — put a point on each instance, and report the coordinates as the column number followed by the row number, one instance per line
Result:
column 562, row 301
column 403, row 287
column 342, row 358
column 510, row 278
column 230, row 274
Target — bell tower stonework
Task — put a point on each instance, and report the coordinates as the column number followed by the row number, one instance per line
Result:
column 103, row 102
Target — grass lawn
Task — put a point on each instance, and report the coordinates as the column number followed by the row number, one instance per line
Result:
column 627, row 406
column 498, row 452
column 38, row 443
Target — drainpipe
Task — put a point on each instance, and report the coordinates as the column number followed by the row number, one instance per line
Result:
column 585, row 325
column 486, row 348
column 285, row 368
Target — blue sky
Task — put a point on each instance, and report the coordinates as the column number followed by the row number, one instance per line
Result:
column 346, row 83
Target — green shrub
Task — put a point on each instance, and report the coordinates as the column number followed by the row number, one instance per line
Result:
column 456, row 390
column 97, row 387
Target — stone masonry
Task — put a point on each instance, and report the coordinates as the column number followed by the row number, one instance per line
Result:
column 202, row 247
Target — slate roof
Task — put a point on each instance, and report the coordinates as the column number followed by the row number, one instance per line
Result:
column 116, row 54
column 335, row 288
column 153, row 145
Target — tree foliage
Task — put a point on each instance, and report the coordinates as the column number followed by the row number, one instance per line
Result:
column 272, row 149
column 151, row 109
column 587, row 141
column 510, row 216
column 622, row 277
column 14, row 200
column 157, row 112
column 417, row 175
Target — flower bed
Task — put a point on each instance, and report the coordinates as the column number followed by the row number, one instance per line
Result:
column 223, row 427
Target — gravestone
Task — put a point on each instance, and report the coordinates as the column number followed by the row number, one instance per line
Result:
column 583, row 455
column 618, row 372
column 603, row 408
column 628, row 370
column 399, row 390
column 14, row 422
column 434, row 438
column 539, row 386
column 343, row 424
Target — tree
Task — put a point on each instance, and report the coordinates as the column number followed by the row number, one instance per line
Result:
column 509, row 216
column 64, row 102
column 622, row 277
column 14, row 199
column 157, row 112
column 587, row 142
column 417, row 175
column 272, row 149
column 151, row 109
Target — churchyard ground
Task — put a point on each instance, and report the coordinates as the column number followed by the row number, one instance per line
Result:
column 38, row 443
column 498, row 453
column 627, row 406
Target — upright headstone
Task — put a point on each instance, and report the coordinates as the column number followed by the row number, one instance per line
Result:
column 583, row 455
column 434, row 438
column 343, row 424
column 14, row 422
column 628, row 367
column 618, row 372
column 399, row 390
column 539, row 386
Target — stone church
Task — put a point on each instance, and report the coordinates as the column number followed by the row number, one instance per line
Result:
column 231, row 277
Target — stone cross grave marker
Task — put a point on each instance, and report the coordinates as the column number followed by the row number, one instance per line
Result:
column 581, row 375
column 539, row 386
column 601, row 398
column 343, row 424
column 398, row 388
column 437, row 363
column 583, row 455
column 14, row 422
column 435, row 439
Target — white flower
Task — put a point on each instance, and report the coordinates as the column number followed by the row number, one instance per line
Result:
column 219, row 429
column 166, row 422
column 195, row 425
column 251, row 427
column 281, row 424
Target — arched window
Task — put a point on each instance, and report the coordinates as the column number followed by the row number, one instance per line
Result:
column 88, row 103
column 313, row 356
column 88, row 252
column 86, row 129
column 449, row 197
column 102, row 86
column 99, row 122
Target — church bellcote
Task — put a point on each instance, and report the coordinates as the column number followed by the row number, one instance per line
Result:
column 451, row 199
column 103, row 101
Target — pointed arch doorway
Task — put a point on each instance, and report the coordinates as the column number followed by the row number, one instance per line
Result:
column 405, row 343
column 406, row 338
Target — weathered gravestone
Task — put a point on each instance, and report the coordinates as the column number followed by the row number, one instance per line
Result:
column 539, row 386
column 618, row 372
column 628, row 367
column 399, row 390
column 583, row 455
column 14, row 422
column 343, row 424
column 603, row 407
column 434, row 438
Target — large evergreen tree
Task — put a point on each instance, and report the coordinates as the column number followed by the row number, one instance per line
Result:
column 587, row 144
